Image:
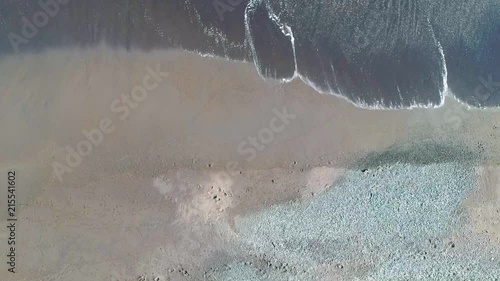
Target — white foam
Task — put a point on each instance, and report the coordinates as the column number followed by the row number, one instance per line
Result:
column 250, row 8
column 444, row 91
column 288, row 32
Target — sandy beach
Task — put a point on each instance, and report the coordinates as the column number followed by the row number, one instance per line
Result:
column 150, row 165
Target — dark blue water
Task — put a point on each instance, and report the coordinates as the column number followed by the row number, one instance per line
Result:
column 375, row 53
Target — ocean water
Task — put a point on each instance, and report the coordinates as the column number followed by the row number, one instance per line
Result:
column 374, row 53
